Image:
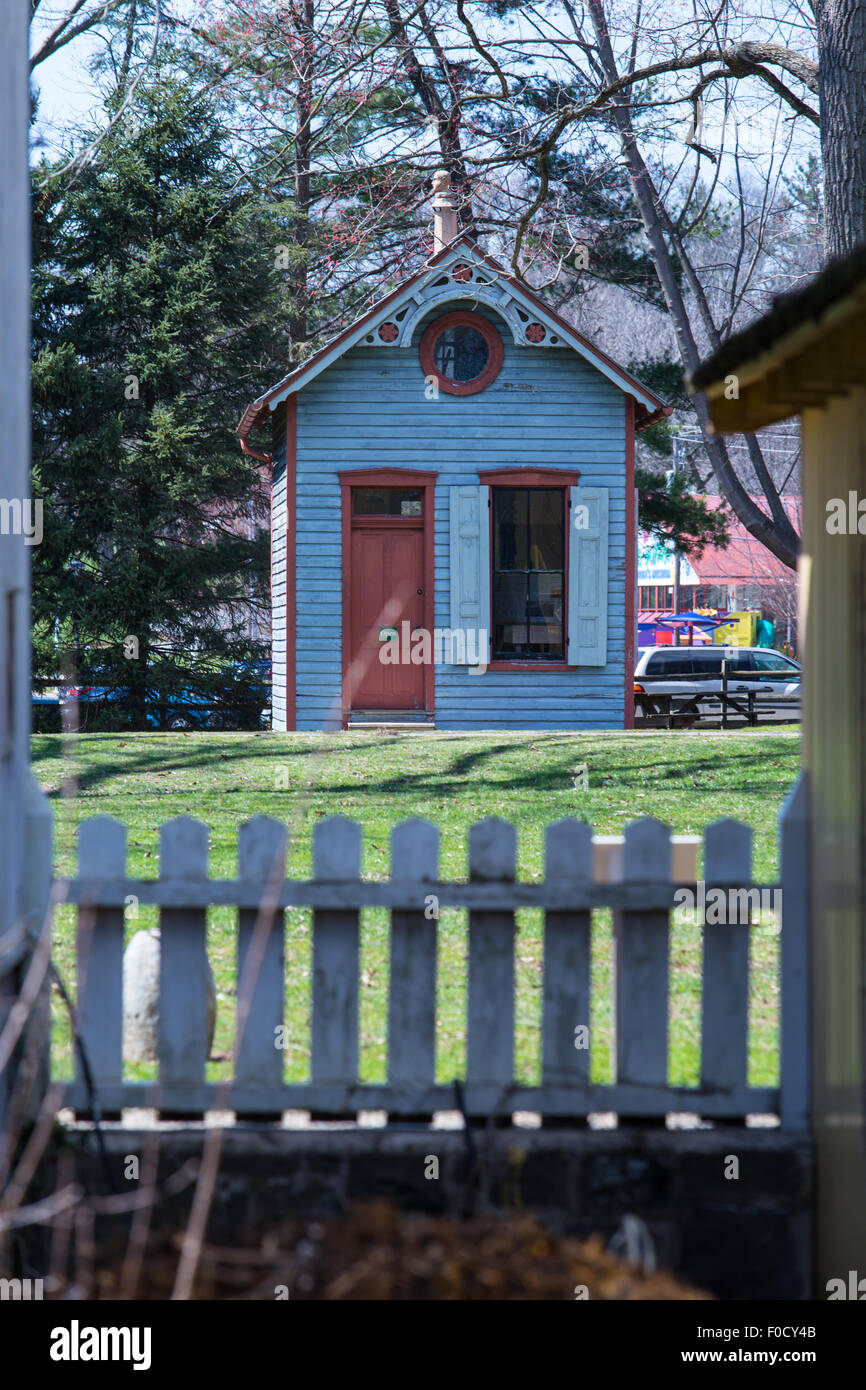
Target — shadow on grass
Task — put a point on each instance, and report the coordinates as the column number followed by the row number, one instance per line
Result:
column 148, row 760
column 456, row 770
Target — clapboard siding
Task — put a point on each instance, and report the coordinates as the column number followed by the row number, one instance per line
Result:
column 547, row 408
column 278, row 591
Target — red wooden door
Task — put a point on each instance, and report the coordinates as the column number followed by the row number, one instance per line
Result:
column 387, row 584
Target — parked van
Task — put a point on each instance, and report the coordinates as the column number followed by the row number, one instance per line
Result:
column 698, row 671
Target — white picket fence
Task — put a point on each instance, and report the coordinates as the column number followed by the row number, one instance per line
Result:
column 642, row 902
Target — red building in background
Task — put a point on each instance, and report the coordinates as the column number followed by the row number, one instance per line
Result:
column 742, row 576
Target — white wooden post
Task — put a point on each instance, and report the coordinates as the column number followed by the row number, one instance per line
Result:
column 183, row 1021
column 336, row 859
column 795, row 1034
column 725, row 965
column 490, row 1042
column 99, row 948
column 565, row 1052
column 36, row 918
column 15, row 454
column 14, row 487
column 261, row 860
column 642, row 967
column 412, row 998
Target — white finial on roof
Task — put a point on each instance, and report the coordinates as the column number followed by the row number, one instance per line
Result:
column 444, row 211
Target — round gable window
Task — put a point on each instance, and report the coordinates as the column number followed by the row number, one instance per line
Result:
column 463, row 352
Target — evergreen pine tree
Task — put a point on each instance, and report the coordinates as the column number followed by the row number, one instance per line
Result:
column 157, row 302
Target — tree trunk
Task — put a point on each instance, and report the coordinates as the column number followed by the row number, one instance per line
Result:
column 304, row 26
column 842, row 86
column 447, row 121
column 781, row 542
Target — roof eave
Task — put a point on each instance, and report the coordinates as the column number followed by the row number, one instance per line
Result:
column 809, row 347
column 643, row 422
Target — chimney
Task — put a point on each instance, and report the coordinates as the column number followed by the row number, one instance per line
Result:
column 444, row 211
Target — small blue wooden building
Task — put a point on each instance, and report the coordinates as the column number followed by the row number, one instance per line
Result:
column 454, row 512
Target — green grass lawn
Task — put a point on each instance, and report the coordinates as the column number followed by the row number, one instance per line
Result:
column 686, row 779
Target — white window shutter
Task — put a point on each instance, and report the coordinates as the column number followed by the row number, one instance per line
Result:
column 470, row 568
column 587, row 576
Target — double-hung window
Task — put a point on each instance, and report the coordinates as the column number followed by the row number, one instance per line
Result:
column 528, row 591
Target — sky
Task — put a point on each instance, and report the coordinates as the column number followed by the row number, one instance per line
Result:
column 67, row 90
column 66, row 93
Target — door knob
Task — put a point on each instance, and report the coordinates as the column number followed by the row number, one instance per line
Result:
column 419, row 591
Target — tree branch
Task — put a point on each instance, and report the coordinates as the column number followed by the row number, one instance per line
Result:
column 62, row 35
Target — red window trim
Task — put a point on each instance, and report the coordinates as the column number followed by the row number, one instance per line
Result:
column 529, row 477
column 500, row 665
column 383, row 521
column 559, row 478
column 489, row 334
column 387, row 477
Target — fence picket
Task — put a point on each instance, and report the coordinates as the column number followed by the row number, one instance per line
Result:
column 795, row 1024
column 725, row 963
column 568, row 859
column 490, row 1041
column 641, row 957
column 260, row 958
column 412, row 998
column 99, row 950
column 183, row 856
column 336, row 858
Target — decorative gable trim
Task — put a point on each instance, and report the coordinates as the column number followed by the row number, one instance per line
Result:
column 463, row 274
column 460, row 272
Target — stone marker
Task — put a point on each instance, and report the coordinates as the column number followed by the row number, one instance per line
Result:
column 141, row 998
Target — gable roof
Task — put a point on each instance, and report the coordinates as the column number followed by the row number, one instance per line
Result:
column 842, row 279
column 808, row 348
column 503, row 293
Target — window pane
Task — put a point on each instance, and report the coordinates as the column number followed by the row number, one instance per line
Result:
column 509, row 610
column 774, row 661
column 706, row 663
column 545, row 613
column 664, row 664
column 387, row 501
column 509, row 528
column 460, row 353
column 545, row 529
